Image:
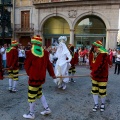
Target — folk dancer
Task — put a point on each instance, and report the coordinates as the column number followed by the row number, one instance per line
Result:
column 36, row 63
column 1, row 67
column 99, row 65
column 73, row 62
column 12, row 64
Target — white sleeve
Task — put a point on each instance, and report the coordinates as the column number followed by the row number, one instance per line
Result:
column 2, row 50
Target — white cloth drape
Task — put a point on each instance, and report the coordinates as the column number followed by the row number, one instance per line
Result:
column 63, row 63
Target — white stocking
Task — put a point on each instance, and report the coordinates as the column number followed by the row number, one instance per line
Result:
column 103, row 99
column 14, row 84
column 95, row 97
column 69, row 75
column 10, row 83
column 73, row 74
column 44, row 102
column 32, row 106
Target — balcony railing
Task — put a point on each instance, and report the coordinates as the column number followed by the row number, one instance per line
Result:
column 47, row 1
column 24, row 29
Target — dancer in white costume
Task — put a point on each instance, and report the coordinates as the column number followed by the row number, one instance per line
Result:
column 63, row 63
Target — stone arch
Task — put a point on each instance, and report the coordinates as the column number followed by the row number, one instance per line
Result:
column 52, row 15
column 93, row 13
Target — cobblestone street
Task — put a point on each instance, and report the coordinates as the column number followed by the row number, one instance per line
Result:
column 74, row 103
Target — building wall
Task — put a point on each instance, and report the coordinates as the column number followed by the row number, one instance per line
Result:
column 21, row 3
column 108, row 13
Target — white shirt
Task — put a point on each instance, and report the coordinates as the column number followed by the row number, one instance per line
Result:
column 114, row 53
column 118, row 57
column 3, row 54
column 21, row 53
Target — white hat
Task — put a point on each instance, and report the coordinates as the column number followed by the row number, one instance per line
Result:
column 64, row 38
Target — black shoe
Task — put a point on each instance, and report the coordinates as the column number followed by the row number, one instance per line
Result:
column 72, row 80
column 114, row 72
column 102, row 108
column 95, row 108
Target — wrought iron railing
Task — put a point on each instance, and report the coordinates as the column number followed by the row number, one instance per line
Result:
column 47, row 1
column 21, row 28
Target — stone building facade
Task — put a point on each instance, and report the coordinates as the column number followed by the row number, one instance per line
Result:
column 82, row 21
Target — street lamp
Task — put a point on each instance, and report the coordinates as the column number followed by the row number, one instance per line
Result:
column 5, row 20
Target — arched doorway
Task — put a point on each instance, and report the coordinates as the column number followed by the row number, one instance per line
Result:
column 89, row 29
column 53, row 28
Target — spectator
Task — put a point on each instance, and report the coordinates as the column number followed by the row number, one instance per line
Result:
column 28, row 47
column 111, row 55
column 114, row 55
column 1, row 67
column 4, row 60
column 117, row 63
column 21, row 55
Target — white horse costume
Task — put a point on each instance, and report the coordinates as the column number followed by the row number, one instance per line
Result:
column 63, row 63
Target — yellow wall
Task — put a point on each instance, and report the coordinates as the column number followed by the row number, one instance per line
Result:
column 56, row 25
column 19, row 3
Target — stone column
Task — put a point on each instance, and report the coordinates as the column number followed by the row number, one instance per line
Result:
column 72, row 36
column 43, row 40
column 107, row 40
column 111, row 38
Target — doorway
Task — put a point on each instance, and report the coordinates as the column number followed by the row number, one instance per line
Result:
column 24, row 40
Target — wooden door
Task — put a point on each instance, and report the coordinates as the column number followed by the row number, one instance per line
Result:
column 25, row 20
column 24, row 40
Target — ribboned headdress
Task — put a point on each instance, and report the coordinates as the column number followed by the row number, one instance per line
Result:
column 37, row 50
column 36, row 40
column 14, row 43
column 99, row 44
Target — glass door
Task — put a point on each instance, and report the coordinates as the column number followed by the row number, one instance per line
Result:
column 87, row 41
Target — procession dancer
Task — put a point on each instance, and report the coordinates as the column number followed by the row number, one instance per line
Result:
column 12, row 64
column 36, row 63
column 73, row 62
column 99, row 65
column 63, row 62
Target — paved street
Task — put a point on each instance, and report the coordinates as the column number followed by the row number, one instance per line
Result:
column 74, row 103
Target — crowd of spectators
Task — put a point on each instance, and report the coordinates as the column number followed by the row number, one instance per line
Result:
column 22, row 50
column 83, row 55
